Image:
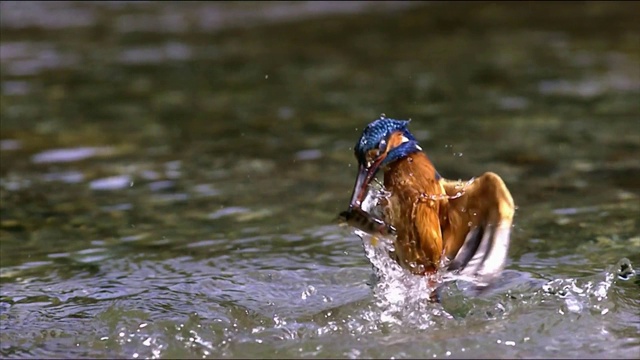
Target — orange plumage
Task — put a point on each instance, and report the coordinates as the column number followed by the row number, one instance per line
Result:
column 413, row 213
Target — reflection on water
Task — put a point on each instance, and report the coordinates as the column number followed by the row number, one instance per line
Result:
column 170, row 176
column 68, row 155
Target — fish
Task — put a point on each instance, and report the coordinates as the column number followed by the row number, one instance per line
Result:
column 358, row 218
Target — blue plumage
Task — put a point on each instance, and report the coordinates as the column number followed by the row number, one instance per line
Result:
column 379, row 130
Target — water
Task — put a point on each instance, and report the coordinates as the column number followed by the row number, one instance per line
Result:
column 170, row 177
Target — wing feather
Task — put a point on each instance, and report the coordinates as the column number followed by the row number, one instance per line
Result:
column 480, row 214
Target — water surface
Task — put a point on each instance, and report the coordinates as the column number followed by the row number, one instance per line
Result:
column 171, row 174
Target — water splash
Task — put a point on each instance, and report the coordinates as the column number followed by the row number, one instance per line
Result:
column 403, row 297
column 589, row 293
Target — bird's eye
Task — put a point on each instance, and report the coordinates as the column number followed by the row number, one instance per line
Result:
column 382, row 147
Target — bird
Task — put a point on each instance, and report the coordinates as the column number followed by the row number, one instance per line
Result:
column 462, row 227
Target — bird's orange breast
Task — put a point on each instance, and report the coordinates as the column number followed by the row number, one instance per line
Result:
column 413, row 208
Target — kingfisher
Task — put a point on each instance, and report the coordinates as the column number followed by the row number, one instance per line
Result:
column 459, row 226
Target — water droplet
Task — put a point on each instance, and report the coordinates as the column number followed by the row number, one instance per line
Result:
column 308, row 292
column 573, row 305
column 266, row 77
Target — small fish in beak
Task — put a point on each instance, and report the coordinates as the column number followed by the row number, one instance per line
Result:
column 360, row 219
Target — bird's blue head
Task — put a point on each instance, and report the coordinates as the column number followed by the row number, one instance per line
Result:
column 383, row 141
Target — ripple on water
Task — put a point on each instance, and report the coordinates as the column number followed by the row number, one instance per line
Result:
column 69, row 177
column 210, row 308
column 70, row 155
column 227, row 211
column 117, row 182
column 170, row 51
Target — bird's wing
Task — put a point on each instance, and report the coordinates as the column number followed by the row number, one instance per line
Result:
column 479, row 216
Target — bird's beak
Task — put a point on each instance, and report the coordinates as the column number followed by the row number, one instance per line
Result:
column 365, row 176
